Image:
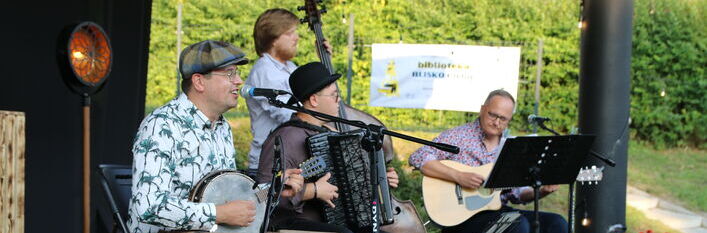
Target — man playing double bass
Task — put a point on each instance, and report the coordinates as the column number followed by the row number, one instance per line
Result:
column 275, row 36
column 478, row 143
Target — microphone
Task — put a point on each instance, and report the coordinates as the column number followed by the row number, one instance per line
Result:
column 533, row 119
column 249, row 92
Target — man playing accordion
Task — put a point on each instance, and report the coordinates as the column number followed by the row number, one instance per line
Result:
column 314, row 87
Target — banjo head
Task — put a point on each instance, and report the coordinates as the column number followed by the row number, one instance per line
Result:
column 224, row 186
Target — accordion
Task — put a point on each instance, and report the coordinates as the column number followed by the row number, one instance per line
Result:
column 341, row 154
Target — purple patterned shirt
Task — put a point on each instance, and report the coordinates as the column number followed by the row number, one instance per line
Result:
column 472, row 152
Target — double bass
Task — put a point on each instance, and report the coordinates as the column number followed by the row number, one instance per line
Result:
column 403, row 216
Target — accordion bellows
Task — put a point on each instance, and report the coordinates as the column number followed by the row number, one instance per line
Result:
column 349, row 166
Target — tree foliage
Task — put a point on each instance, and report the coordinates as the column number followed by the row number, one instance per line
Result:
column 668, row 53
column 668, row 95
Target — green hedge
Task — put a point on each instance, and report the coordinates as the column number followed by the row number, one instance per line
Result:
column 668, row 97
column 668, row 54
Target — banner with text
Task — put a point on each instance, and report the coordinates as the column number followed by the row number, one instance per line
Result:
column 443, row 77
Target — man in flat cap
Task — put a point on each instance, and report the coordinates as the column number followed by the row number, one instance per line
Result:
column 186, row 139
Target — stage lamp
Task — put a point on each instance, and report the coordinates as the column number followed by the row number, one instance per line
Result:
column 85, row 57
column 90, row 54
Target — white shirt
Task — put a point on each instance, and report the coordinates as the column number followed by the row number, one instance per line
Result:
column 266, row 73
column 174, row 148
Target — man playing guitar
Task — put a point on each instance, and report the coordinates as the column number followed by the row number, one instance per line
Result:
column 479, row 142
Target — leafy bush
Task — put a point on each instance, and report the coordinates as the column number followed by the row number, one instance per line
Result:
column 669, row 46
column 668, row 98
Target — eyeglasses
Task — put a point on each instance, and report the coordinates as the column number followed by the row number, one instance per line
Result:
column 231, row 75
column 335, row 95
column 494, row 116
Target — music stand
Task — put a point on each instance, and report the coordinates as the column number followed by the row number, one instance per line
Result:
column 536, row 161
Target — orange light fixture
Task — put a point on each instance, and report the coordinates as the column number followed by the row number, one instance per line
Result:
column 89, row 53
column 85, row 58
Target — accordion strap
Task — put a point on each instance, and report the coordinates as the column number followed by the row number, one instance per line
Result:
column 301, row 124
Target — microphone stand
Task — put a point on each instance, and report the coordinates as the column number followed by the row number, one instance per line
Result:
column 372, row 142
column 536, row 189
column 541, row 124
column 570, row 215
column 275, row 186
column 372, row 127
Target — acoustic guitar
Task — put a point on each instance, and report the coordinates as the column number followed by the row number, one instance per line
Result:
column 449, row 204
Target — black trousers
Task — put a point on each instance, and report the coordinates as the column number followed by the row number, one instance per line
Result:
column 309, row 225
column 549, row 222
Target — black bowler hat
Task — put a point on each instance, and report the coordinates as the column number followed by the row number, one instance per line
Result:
column 309, row 79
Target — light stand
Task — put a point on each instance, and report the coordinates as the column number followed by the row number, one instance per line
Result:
column 85, row 58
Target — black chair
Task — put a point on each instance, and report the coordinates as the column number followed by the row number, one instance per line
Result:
column 116, row 181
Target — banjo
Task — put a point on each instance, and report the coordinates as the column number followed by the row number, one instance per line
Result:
column 222, row 186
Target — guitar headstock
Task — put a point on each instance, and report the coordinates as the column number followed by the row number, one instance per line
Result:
column 590, row 175
column 313, row 166
column 313, row 13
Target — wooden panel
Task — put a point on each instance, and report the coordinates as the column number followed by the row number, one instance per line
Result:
column 12, row 171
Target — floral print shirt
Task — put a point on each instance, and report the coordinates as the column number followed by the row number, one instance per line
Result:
column 175, row 146
column 472, row 152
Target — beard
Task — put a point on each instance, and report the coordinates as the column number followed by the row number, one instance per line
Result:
column 286, row 53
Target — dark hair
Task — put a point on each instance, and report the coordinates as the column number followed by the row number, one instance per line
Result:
column 186, row 84
column 499, row 92
column 270, row 25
